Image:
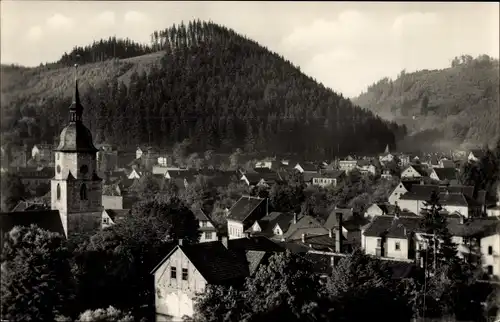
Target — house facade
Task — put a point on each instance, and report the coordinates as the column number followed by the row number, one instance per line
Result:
column 348, row 164
column 243, row 215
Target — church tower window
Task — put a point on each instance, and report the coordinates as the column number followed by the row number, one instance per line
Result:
column 58, row 191
column 83, row 192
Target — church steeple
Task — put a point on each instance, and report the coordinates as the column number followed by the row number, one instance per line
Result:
column 76, row 108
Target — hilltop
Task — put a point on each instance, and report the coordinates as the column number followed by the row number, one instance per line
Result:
column 456, row 105
column 202, row 82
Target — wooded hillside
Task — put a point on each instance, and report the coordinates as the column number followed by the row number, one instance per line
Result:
column 199, row 81
column 457, row 104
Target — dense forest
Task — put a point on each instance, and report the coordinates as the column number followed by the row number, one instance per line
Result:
column 456, row 105
column 201, row 82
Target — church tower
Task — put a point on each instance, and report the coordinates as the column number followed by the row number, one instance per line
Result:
column 76, row 190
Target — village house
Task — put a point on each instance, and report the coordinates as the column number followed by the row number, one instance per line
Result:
column 414, row 171
column 379, row 209
column 268, row 164
column 107, row 158
column 273, row 226
column 326, row 178
column 42, row 152
column 453, row 199
column 386, row 174
column 391, row 237
column 475, row 155
column 446, row 176
column 112, row 216
column 187, row 270
column 36, row 178
column 264, row 178
column 244, row 213
column 207, row 227
column 387, row 156
column 306, row 167
column 112, row 196
column 366, row 167
column 403, row 187
column 445, row 163
column 348, row 164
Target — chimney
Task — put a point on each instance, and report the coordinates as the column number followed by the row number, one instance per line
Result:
column 303, row 238
column 180, row 242
column 224, row 241
column 294, row 217
column 338, row 233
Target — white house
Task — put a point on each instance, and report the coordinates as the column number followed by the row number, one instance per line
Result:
column 348, row 164
column 306, row 167
column 402, row 188
column 366, row 167
column 188, row 269
column 327, row 178
column 490, row 250
column 391, row 237
column 414, row 171
column 112, row 216
column 207, row 227
column 134, row 174
column 244, row 213
column 475, row 155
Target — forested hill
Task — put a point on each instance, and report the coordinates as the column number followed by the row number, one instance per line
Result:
column 458, row 104
column 201, row 81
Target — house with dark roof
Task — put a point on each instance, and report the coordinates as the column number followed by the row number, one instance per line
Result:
column 112, row 216
column 475, row 155
column 273, row 226
column 33, row 178
column 445, row 163
column 446, row 176
column 244, row 213
column 414, row 171
column 264, row 178
column 403, row 187
column 391, row 237
column 207, row 227
column 379, row 209
column 454, row 199
column 306, row 167
column 186, row 271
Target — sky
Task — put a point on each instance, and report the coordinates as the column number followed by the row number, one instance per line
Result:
column 347, row 46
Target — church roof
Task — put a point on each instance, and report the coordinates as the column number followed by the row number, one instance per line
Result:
column 76, row 137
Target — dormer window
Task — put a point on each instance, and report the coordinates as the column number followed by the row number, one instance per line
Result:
column 83, row 192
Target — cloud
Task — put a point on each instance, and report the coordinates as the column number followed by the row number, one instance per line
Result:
column 413, row 21
column 35, row 33
column 106, row 18
column 135, row 16
column 59, row 21
column 349, row 27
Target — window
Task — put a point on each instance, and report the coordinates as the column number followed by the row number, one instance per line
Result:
column 105, row 220
column 379, row 242
column 489, row 269
column 204, row 223
column 397, row 246
column 84, row 169
column 58, row 192
column 208, row 235
column 490, row 250
column 173, row 272
column 83, row 192
column 58, row 168
column 184, row 274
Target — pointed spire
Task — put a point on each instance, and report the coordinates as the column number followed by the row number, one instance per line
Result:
column 76, row 109
column 386, row 149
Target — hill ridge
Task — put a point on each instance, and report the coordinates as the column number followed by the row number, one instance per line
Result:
column 205, row 83
column 458, row 104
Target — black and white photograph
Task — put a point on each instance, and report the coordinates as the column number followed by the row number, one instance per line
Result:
column 249, row 161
